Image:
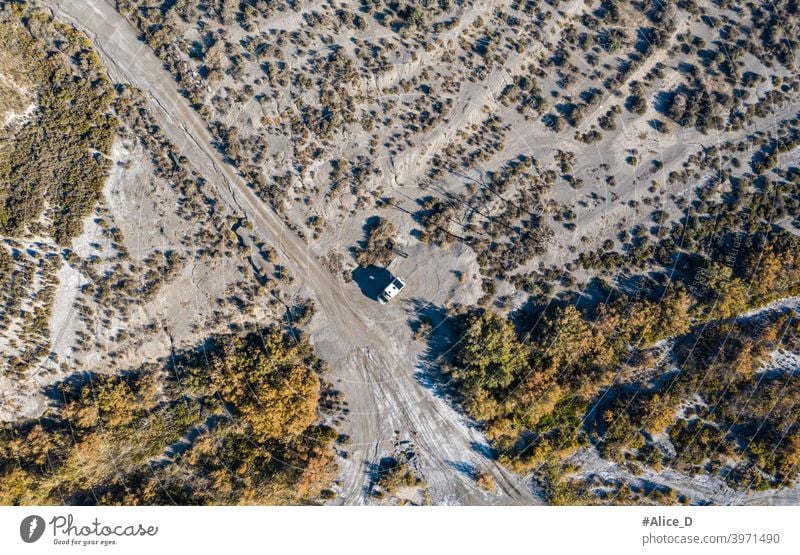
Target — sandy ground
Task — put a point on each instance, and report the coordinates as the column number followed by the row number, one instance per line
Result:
column 363, row 342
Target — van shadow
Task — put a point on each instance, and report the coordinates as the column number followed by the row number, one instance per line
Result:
column 372, row 280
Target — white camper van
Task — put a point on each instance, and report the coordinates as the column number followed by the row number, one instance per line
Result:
column 391, row 290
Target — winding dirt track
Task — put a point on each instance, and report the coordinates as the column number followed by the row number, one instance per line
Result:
column 366, row 346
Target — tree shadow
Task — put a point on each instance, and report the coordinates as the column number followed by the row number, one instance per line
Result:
column 369, row 225
column 465, row 468
column 58, row 391
column 664, row 100
column 441, row 334
column 484, row 449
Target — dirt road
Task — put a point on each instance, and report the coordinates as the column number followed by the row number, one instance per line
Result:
column 367, row 346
